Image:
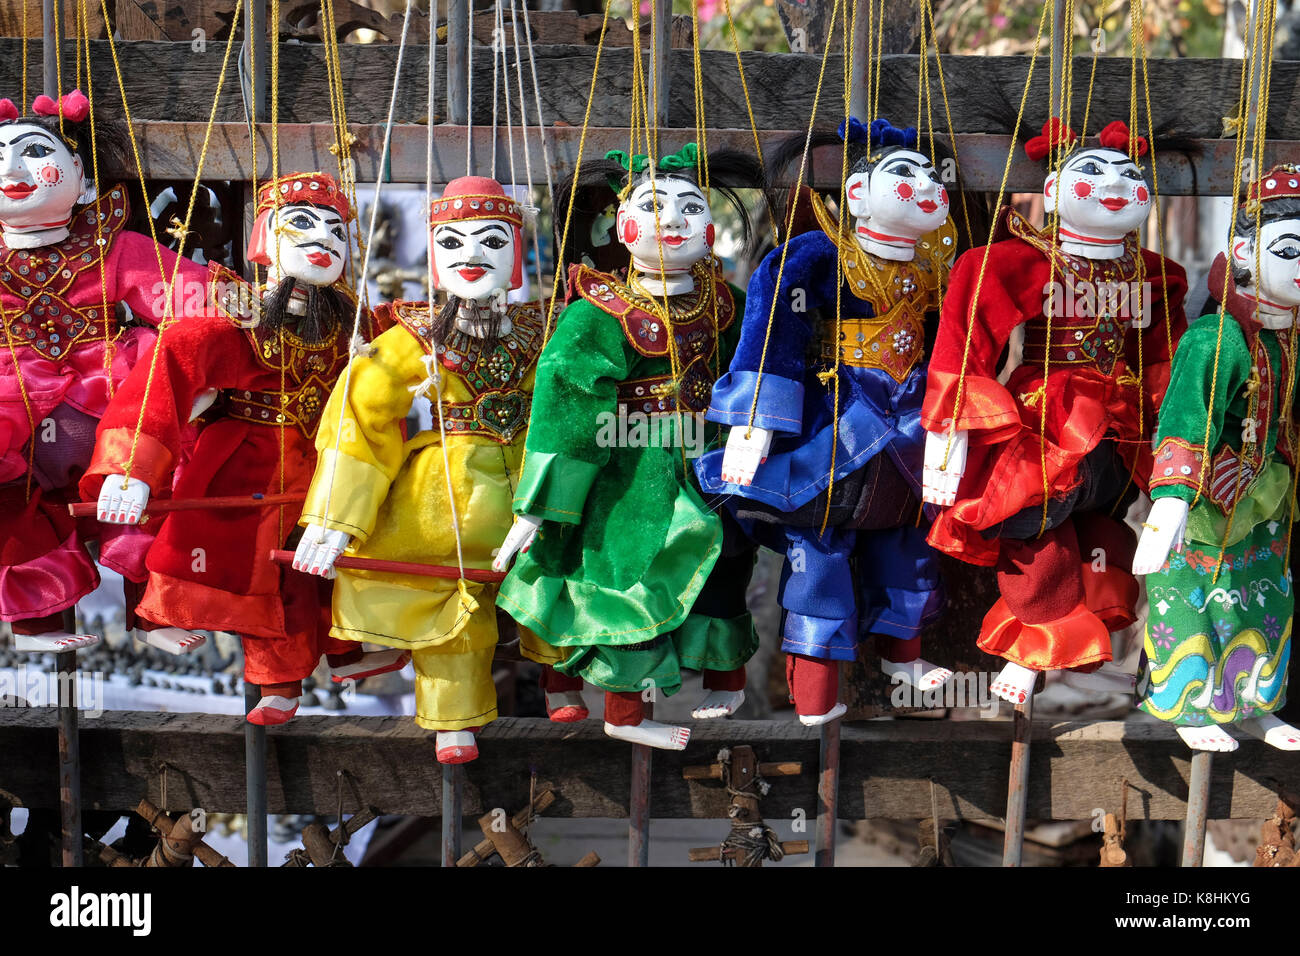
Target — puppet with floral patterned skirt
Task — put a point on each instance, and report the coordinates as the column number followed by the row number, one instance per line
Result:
column 1214, row 547
column 259, row 370
column 66, row 265
column 791, row 445
column 441, row 496
column 1034, row 474
column 624, row 571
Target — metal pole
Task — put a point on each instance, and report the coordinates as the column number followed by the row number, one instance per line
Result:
column 1198, row 803
column 69, row 755
column 457, row 62
column 638, row 825
column 51, row 49
column 452, row 811
column 858, row 105
column 259, row 66
column 1018, row 786
column 1061, row 48
column 828, row 793
column 255, row 779
column 659, row 66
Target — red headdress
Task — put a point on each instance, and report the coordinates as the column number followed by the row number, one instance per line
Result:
column 1280, row 182
column 1055, row 133
column 477, row 197
column 313, row 189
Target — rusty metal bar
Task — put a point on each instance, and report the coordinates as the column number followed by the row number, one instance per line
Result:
column 828, row 793
column 255, row 779
column 453, row 802
column 257, row 65
column 1018, row 783
column 457, row 65
column 1198, row 801
column 659, row 65
column 69, row 751
column 171, row 151
column 638, row 823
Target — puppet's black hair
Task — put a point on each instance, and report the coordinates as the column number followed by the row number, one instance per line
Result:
column 1272, row 210
column 327, row 309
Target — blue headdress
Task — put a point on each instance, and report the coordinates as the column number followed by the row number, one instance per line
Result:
column 879, row 135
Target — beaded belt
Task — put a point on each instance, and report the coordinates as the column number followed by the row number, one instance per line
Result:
column 1097, row 344
column 657, row 393
column 498, row 415
column 302, row 407
column 893, row 343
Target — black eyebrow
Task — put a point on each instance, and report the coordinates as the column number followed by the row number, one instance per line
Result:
column 491, row 225
column 926, row 164
column 450, row 228
column 1101, row 159
column 1285, row 235
column 317, row 213
column 689, row 192
column 35, row 132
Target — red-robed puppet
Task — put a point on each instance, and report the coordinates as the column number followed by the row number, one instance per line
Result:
column 67, row 263
column 268, row 360
column 1074, row 420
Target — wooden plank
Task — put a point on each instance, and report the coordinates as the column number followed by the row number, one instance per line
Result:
column 171, row 81
column 171, row 151
column 887, row 767
column 11, row 19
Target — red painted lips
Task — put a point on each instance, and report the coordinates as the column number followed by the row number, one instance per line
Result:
column 322, row 259
column 471, row 274
column 927, row 205
column 1114, row 205
column 673, row 241
column 19, row 190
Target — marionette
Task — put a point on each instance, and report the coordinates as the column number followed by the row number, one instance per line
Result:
column 1214, row 547
column 441, row 496
column 791, row 445
column 624, row 572
column 68, row 267
column 259, row 369
column 1034, row 475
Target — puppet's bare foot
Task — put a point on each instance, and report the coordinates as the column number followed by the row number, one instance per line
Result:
column 919, row 673
column 54, row 642
column 651, row 733
column 273, row 710
column 1273, row 731
column 816, row 720
column 1213, row 738
column 566, row 706
column 372, row 663
column 456, row 746
column 1106, row 679
column 1015, row 683
column 719, row 703
column 173, row 640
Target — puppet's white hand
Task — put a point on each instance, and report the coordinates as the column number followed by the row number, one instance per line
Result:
column 203, row 402
column 520, row 539
column 319, row 548
column 122, row 500
column 945, row 463
column 1161, row 532
column 747, row 448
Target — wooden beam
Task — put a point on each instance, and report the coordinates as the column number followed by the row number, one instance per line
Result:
column 887, row 767
column 170, row 151
column 171, row 81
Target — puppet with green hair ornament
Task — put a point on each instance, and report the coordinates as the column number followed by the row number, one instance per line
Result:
column 622, row 571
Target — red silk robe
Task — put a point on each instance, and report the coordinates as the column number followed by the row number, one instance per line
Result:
column 1105, row 380
column 210, row 569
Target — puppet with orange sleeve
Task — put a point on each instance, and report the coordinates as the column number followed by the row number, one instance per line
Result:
column 67, row 267
column 1034, row 476
column 259, row 370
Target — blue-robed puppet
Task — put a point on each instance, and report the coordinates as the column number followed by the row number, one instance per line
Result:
column 823, row 396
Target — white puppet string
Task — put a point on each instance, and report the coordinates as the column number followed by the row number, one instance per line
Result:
column 365, row 258
column 498, row 54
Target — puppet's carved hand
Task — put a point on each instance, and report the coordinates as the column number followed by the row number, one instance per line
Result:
column 945, row 463
column 1161, row 532
column 122, row 500
column 203, row 402
column 744, row 453
column 319, row 548
column 520, row 539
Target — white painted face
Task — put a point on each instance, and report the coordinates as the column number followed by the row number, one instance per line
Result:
column 685, row 225
column 41, row 181
column 1101, row 195
column 310, row 245
column 902, row 199
column 1277, row 280
column 475, row 259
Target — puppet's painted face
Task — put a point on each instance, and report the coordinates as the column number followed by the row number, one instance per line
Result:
column 685, row 224
column 1101, row 195
column 41, row 181
column 902, row 198
column 307, row 243
column 474, row 259
column 1277, row 280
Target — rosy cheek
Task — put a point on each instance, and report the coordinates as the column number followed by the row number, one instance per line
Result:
column 904, row 192
column 1082, row 190
column 50, row 175
column 629, row 231
column 1047, row 187
column 708, row 235
column 1141, row 194
column 943, row 196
